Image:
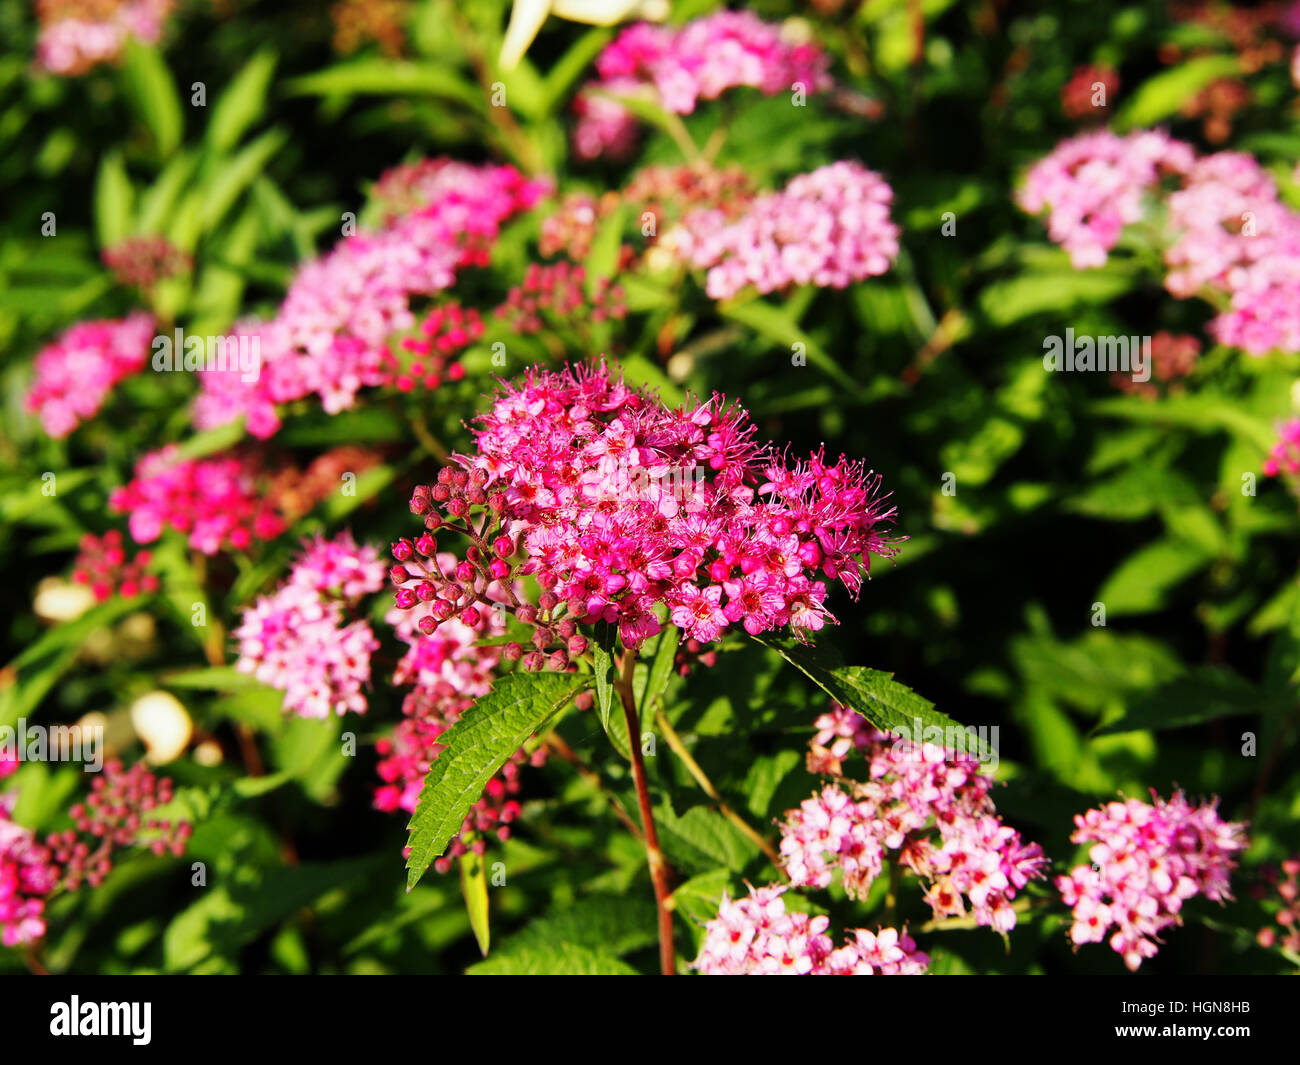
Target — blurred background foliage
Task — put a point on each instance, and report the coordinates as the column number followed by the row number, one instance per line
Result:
column 1067, row 492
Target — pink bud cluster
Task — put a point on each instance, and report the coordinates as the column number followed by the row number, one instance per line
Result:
column 330, row 336
column 1147, row 859
column 1285, row 454
column 558, row 292
column 618, row 503
column 828, row 228
column 1286, row 888
column 758, row 936
column 930, row 807
column 216, row 502
column 102, row 564
column 120, row 812
column 144, row 261
column 423, row 359
column 446, row 671
column 75, row 374
column 78, row 35
column 1093, row 186
column 297, row 639
column 699, row 61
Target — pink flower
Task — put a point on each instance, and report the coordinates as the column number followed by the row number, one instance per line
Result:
column 829, row 228
column 1147, row 860
column 758, row 936
column 928, row 805
column 296, row 639
column 74, row 38
column 679, row 67
column 1094, row 184
column 216, row 502
column 618, row 503
column 74, row 375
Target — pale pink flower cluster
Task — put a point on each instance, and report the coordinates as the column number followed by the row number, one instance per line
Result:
column 76, row 37
column 1093, row 185
column 929, row 806
column 1232, row 236
column 829, row 228
column 216, row 502
column 758, row 936
column 699, row 61
column 26, row 877
column 75, row 373
column 330, row 336
column 298, row 639
column 1147, row 860
column 1227, row 236
column 1285, row 454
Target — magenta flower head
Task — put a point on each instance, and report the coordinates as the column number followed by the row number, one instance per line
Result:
column 620, row 504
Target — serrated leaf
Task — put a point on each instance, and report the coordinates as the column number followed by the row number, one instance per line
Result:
column 703, row 839
column 1165, row 93
column 474, row 886
column 387, row 77
column 478, row 745
column 875, row 695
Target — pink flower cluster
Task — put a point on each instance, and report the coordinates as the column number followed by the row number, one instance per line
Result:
column 1147, row 860
column 1093, row 186
column 74, row 374
column 446, row 672
column 77, row 35
column 296, row 640
column 699, row 61
column 1285, row 454
column 26, row 877
column 1232, row 236
column 828, row 228
column 758, row 936
column 214, row 501
column 330, row 336
column 120, row 812
column 930, row 806
column 1227, row 236
column 617, row 503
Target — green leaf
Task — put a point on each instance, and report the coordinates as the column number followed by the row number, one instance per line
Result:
column 237, row 174
column 875, row 695
column 385, row 77
column 1164, row 94
column 474, row 886
column 1007, row 302
column 602, row 648
column 565, row 960
column 478, row 745
column 703, row 839
column 1143, row 581
column 1205, row 694
column 602, row 260
column 242, row 103
column 776, row 324
column 113, row 200
column 152, row 94
column 661, row 668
